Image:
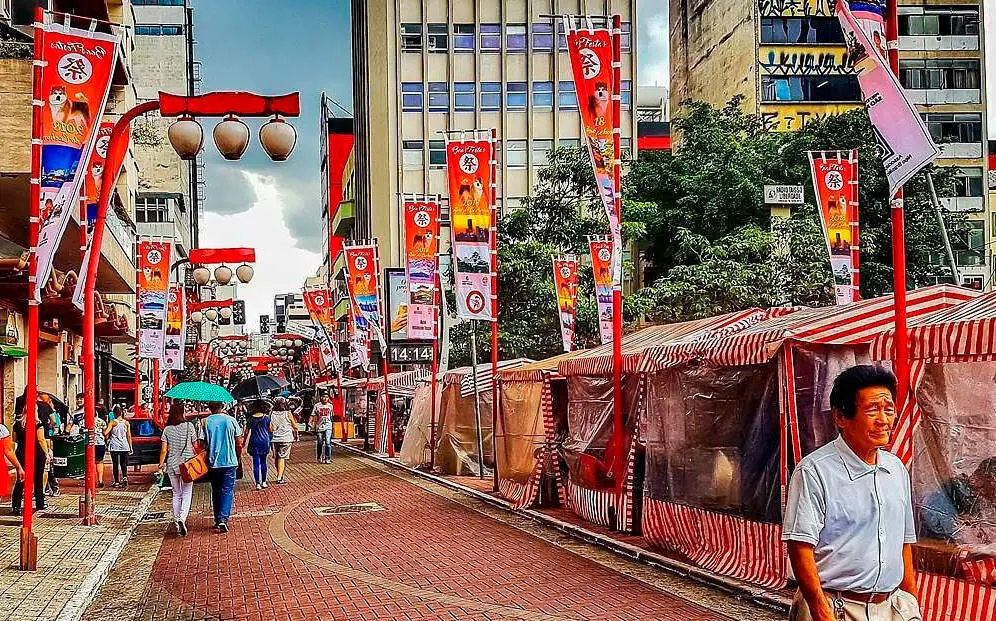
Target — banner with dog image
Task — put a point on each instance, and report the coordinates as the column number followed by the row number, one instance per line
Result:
column 601, row 267
column 468, row 163
column 152, row 285
column 318, row 301
column 591, row 60
column 176, row 328
column 91, row 189
column 835, row 183
column 76, row 79
column 421, row 266
column 565, row 281
column 362, row 267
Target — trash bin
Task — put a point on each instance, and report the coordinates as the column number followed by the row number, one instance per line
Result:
column 69, row 456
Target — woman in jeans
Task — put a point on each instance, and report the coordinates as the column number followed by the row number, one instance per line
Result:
column 179, row 445
column 257, row 439
column 285, row 430
column 118, row 434
column 323, row 426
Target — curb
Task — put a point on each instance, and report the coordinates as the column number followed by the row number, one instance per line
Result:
column 732, row 586
column 86, row 593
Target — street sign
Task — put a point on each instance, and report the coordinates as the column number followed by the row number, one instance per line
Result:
column 783, row 195
column 410, row 353
column 300, row 329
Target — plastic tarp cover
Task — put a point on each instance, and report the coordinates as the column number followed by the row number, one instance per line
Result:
column 521, row 436
column 590, row 448
column 418, row 432
column 954, row 471
column 456, row 451
column 711, row 437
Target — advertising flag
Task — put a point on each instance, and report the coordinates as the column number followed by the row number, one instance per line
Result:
column 904, row 143
column 359, row 353
column 870, row 15
column 468, row 163
column 364, row 287
column 421, row 266
column 318, row 301
column 601, row 266
column 94, row 177
column 153, row 282
column 76, row 78
column 176, row 328
column 835, row 182
column 565, row 280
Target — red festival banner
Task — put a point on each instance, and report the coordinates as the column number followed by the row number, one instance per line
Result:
column 76, row 79
column 835, row 182
column 421, row 266
column 318, row 301
column 153, row 281
column 591, row 60
column 176, row 328
column 362, row 267
column 468, row 163
column 565, row 280
column 601, row 267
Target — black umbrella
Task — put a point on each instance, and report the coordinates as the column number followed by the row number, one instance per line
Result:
column 259, row 386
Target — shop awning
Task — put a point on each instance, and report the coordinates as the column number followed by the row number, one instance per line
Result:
column 12, row 351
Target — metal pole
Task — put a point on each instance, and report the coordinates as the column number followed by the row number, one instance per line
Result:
column 387, row 406
column 87, row 511
column 477, row 397
column 494, row 314
column 943, row 229
column 155, row 388
column 617, row 256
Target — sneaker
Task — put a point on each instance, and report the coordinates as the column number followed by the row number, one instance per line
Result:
column 124, row 484
column 101, row 484
column 182, row 527
column 264, row 484
column 223, row 528
column 115, row 484
column 281, row 482
column 258, row 486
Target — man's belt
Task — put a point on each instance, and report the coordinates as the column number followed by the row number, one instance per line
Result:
column 864, row 598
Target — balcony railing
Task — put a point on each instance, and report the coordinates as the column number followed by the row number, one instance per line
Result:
column 123, row 233
column 923, row 43
column 934, row 97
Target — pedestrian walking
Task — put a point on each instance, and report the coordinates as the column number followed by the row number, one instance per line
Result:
column 99, row 444
column 21, row 438
column 118, row 434
column 179, row 443
column 849, row 518
column 324, row 417
column 7, row 450
column 222, row 438
column 258, row 438
column 284, row 427
column 53, row 427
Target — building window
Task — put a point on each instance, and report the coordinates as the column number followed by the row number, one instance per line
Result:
column 941, row 22
column 968, row 182
column 464, row 97
column 515, row 202
column 810, row 88
column 625, row 148
column 411, row 37
column 569, row 143
column 157, row 2
column 968, row 243
column 801, row 30
column 542, row 37
column 561, row 36
column 439, row 97
column 437, row 37
column 515, row 157
column 567, row 97
column 541, row 152
column 940, row 73
column 491, row 38
column 964, row 128
column 437, row 154
column 543, row 95
column 463, row 38
column 411, row 96
column 158, row 30
column 152, row 209
column 515, row 38
column 411, row 154
column 626, row 93
column 625, row 38
column 490, row 96
column 515, row 96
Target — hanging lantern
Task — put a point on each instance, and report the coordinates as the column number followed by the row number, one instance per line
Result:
column 231, row 136
column 186, row 135
column 202, row 275
column 223, row 274
column 197, row 316
column 244, row 273
column 298, row 342
column 283, row 351
column 211, row 314
column 278, row 137
column 225, row 312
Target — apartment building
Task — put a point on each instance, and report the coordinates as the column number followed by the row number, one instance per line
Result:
column 798, row 72
column 60, row 343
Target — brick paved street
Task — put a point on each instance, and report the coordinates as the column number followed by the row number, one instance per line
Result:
column 424, row 552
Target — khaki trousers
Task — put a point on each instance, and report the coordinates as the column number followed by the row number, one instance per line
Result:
column 901, row 606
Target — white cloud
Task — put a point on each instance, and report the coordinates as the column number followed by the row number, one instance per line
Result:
column 280, row 266
column 654, row 41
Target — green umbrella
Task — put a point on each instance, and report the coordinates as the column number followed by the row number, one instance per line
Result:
column 200, row 391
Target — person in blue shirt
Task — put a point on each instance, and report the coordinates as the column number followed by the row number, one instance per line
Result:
column 222, row 439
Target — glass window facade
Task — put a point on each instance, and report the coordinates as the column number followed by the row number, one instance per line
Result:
column 515, row 38
column 567, row 97
column 491, row 38
column 810, row 88
column 516, row 96
column 490, row 96
column 464, row 96
column 515, row 156
column 411, row 37
column 543, row 95
column 411, row 96
column 801, row 30
column 941, row 73
column 464, row 38
column 439, row 97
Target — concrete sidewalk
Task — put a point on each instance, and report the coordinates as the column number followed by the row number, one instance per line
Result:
column 73, row 560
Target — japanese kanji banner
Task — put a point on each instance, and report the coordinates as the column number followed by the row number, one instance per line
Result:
column 176, row 328
column 76, row 78
column 870, row 15
column 835, row 183
column 601, row 267
column 565, row 280
column 359, row 352
column 318, row 301
column 904, row 143
column 590, row 52
column 153, row 281
column 364, row 287
column 91, row 191
column 468, row 163
column 421, row 266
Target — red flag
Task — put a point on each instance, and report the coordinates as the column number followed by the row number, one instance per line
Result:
column 565, row 279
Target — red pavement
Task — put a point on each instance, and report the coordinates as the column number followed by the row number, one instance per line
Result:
column 422, row 557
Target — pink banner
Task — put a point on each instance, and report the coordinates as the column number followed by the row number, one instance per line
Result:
column 565, row 280
column 601, row 266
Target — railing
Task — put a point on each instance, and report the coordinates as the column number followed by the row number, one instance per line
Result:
column 122, row 233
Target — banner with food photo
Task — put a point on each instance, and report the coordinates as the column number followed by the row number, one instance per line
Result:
column 601, row 267
column 362, row 267
column 468, row 163
column 421, row 266
column 176, row 328
column 565, row 281
column 835, row 185
column 91, row 190
column 152, row 285
column 76, row 79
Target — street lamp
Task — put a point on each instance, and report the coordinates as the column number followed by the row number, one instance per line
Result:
column 197, row 317
column 244, row 273
column 278, row 138
column 226, row 312
column 186, row 136
column 231, row 136
column 223, row 274
column 211, row 314
column 202, row 275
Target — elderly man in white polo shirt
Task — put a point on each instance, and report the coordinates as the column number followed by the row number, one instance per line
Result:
column 849, row 518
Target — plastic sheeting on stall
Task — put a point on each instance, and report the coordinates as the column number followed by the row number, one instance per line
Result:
column 522, row 437
column 456, row 451
column 416, row 448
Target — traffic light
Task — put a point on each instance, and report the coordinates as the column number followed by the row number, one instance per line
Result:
column 239, row 312
column 264, row 324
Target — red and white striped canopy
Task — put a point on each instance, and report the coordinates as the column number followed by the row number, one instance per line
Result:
column 399, row 379
column 962, row 331
column 851, row 324
column 465, row 375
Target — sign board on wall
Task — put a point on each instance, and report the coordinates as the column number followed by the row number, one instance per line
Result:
column 783, row 195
